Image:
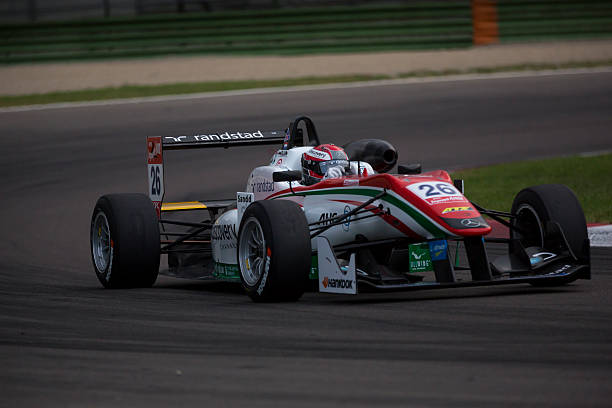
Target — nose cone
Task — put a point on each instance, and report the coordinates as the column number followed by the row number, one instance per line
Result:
column 468, row 223
column 463, row 219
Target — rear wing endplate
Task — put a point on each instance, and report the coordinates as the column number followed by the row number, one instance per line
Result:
column 157, row 144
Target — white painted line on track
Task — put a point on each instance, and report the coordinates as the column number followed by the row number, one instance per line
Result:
column 302, row 88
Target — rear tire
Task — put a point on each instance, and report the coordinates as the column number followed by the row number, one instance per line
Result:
column 124, row 241
column 274, row 252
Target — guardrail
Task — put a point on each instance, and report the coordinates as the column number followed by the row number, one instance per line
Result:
column 433, row 24
column 535, row 20
column 412, row 25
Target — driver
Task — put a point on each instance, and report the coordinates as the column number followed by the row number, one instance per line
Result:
column 323, row 162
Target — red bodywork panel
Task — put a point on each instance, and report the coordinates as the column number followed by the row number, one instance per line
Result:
column 432, row 193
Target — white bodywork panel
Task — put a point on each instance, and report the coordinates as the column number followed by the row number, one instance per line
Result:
column 321, row 208
column 224, row 238
column 332, row 278
column 316, row 208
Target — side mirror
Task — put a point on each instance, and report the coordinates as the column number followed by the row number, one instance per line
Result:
column 291, row 175
column 414, row 168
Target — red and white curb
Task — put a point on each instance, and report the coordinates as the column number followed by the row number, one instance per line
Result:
column 600, row 235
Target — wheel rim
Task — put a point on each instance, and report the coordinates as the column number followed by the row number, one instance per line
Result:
column 101, row 242
column 528, row 221
column 251, row 251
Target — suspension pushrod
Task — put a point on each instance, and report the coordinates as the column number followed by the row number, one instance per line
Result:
column 333, row 219
column 186, row 224
column 173, row 234
column 185, row 238
column 353, row 220
column 496, row 215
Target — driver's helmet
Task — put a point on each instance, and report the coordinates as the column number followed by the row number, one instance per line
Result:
column 318, row 160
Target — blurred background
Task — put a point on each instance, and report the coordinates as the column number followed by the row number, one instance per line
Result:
column 36, row 30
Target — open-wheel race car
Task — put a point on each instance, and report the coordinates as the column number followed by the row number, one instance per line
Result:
column 358, row 229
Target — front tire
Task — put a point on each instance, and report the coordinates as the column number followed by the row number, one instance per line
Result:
column 274, row 252
column 534, row 206
column 124, row 241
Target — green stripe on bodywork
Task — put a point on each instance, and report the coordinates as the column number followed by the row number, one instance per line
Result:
column 414, row 214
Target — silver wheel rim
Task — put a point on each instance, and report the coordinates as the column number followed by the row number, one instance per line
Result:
column 101, row 242
column 534, row 214
column 251, row 251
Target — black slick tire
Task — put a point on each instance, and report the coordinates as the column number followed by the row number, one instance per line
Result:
column 534, row 206
column 133, row 252
column 286, row 253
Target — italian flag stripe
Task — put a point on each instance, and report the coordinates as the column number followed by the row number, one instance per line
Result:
column 424, row 221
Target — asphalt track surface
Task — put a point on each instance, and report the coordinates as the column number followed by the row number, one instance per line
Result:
column 65, row 341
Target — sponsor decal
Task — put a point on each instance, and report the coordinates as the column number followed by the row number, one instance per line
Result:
column 350, row 182
column 265, row 186
column 225, row 234
column 175, row 139
column 347, row 225
column 420, row 260
column 332, row 277
column 445, row 200
column 226, row 271
column 470, row 223
column 563, row 268
column 279, row 161
column 337, row 283
column 325, row 218
column 215, row 137
column 154, row 150
column 455, row 209
column 318, row 154
column 438, row 250
column 243, row 200
column 228, row 136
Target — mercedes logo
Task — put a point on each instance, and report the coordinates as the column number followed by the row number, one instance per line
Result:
column 469, row 223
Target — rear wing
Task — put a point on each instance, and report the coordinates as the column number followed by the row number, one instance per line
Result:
column 225, row 139
column 155, row 157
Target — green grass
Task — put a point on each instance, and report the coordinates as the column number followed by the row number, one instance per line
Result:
column 590, row 178
column 136, row 91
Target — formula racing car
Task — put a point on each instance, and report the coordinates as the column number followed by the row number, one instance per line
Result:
column 361, row 230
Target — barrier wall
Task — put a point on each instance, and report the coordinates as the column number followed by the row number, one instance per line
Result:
column 538, row 20
column 410, row 25
column 417, row 25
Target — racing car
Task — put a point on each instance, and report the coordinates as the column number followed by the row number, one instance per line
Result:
column 362, row 230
